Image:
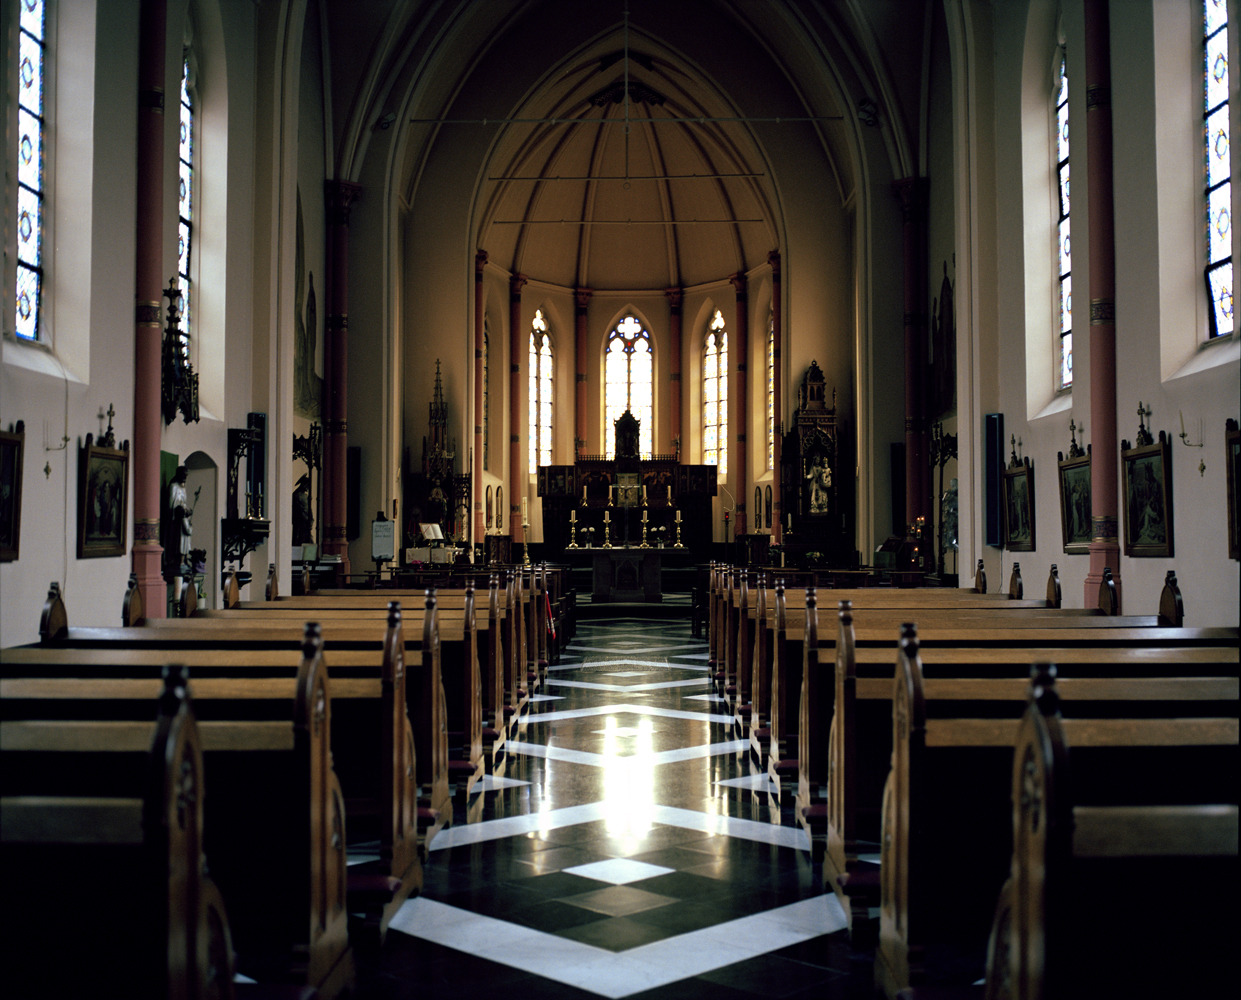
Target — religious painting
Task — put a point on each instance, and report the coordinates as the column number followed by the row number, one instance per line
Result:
column 557, row 484
column 12, row 451
column 1232, row 438
column 1019, row 533
column 490, row 519
column 1075, row 524
column 500, row 519
column 541, row 481
column 758, row 507
column 103, row 500
column 768, row 508
column 1148, row 497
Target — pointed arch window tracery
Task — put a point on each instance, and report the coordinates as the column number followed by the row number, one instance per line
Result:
column 629, row 378
column 715, row 395
column 541, row 385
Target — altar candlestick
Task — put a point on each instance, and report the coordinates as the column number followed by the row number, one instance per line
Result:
column 607, row 517
column 678, row 517
column 573, row 516
column 525, row 512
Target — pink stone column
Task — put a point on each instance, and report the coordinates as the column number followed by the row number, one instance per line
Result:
column 777, row 531
column 340, row 198
column 581, row 298
column 480, row 350
column 912, row 194
column 741, row 417
column 519, row 347
column 675, row 296
column 147, row 552
column 1105, row 543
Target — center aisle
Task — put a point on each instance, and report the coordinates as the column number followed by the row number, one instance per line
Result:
column 629, row 850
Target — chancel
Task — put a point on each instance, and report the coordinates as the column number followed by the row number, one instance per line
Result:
column 642, row 334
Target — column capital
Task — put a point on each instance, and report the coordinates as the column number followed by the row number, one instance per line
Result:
column 773, row 258
column 340, row 196
column 738, row 281
column 581, row 297
column 515, row 285
column 480, row 261
column 675, row 295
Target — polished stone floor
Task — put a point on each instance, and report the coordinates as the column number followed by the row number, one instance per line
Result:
column 629, row 849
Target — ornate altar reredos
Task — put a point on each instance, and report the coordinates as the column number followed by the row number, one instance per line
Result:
column 438, row 493
column 624, row 487
column 813, row 488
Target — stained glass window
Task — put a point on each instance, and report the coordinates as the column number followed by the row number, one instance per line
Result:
column 1218, row 172
column 771, row 392
column 185, row 207
column 486, row 397
column 715, row 396
column 629, row 378
column 540, row 393
column 32, row 53
column 1064, row 255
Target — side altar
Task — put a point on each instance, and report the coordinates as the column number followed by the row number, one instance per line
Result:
column 609, row 499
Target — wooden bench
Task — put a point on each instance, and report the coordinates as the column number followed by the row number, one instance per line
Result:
column 860, row 733
column 947, row 822
column 275, row 829
column 1068, row 848
column 425, row 701
column 133, row 834
column 461, row 650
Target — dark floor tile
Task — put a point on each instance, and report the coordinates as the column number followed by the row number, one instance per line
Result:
column 618, row 900
column 681, row 917
column 692, row 989
column 681, row 885
column 553, row 916
column 615, row 933
column 558, row 884
column 771, row 976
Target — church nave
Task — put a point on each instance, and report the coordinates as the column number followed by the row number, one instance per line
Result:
column 630, row 849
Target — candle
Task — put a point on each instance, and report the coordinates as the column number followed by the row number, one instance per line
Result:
column 644, row 485
column 1182, row 422
column 573, row 516
column 607, row 517
column 525, row 512
column 678, row 517
column 644, row 517
column 583, row 494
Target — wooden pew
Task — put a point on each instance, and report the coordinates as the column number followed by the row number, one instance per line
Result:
column 860, row 732
column 946, row 810
column 462, row 650
column 425, row 700
column 275, row 829
column 134, row 835
column 1067, row 849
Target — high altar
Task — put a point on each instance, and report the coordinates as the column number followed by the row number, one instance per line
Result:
column 622, row 489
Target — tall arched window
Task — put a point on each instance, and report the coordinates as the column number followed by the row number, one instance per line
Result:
column 1064, row 244
column 771, row 392
column 185, row 205
column 715, row 396
column 629, row 376
column 540, row 393
column 1218, row 172
column 31, row 207
column 486, row 397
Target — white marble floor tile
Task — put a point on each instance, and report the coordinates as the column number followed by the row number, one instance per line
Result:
column 619, row 974
column 752, row 782
column 517, row 826
column 618, row 708
column 491, row 783
column 618, row 871
column 746, row 829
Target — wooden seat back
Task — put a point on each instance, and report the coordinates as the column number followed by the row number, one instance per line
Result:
column 139, row 843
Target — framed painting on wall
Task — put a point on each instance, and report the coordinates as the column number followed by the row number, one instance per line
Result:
column 1019, row 533
column 103, row 500
column 12, row 452
column 1148, row 497
column 1075, row 524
